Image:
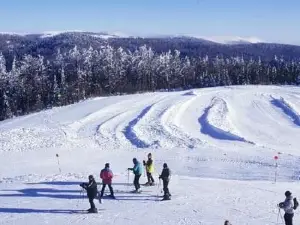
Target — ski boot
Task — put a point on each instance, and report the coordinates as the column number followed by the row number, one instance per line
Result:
column 111, row 196
column 147, row 184
column 95, row 210
column 166, row 197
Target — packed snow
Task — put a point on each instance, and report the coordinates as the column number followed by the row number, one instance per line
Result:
column 219, row 143
column 233, row 39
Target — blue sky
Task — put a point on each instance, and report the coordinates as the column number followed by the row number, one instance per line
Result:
column 270, row 20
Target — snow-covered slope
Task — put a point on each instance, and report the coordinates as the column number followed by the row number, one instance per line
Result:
column 233, row 39
column 220, row 144
column 107, row 35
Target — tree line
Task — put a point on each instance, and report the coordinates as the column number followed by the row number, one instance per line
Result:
column 33, row 83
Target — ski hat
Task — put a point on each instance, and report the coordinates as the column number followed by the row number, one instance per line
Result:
column 165, row 165
column 91, row 177
column 134, row 160
column 288, row 193
column 149, row 155
column 106, row 165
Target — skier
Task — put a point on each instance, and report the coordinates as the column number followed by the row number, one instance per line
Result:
column 138, row 171
column 149, row 169
column 165, row 176
column 106, row 175
column 91, row 189
column 288, row 207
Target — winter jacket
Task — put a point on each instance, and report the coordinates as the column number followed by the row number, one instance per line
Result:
column 137, row 169
column 106, row 175
column 149, row 166
column 91, row 188
column 287, row 205
column 165, row 174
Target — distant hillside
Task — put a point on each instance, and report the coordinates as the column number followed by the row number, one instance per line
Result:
column 46, row 44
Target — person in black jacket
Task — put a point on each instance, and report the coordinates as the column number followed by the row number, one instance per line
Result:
column 92, row 191
column 165, row 176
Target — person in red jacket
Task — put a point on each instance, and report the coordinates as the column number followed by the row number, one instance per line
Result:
column 106, row 175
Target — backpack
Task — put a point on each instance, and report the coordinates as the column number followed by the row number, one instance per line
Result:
column 296, row 203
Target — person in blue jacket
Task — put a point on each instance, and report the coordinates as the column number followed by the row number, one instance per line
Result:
column 137, row 171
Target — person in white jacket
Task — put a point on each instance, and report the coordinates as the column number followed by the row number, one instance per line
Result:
column 288, row 207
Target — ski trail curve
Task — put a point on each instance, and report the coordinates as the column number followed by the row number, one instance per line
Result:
column 130, row 132
column 287, row 108
column 216, row 123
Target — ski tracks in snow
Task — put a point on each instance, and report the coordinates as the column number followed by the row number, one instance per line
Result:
column 170, row 121
column 154, row 128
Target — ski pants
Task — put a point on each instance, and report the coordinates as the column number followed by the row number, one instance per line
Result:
column 110, row 189
column 136, row 181
column 165, row 186
column 150, row 178
column 91, row 200
column 288, row 218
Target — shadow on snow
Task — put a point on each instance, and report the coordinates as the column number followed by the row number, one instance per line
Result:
column 52, row 211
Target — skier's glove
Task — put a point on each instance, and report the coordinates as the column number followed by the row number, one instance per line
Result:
column 281, row 205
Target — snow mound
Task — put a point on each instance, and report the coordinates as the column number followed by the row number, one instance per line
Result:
column 216, row 122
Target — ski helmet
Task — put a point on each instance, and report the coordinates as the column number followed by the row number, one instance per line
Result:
column 106, row 165
column 165, row 165
column 91, row 177
column 134, row 160
column 149, row 155
column 288, row 193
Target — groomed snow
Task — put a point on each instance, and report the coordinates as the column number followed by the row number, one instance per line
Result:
column 219, row 143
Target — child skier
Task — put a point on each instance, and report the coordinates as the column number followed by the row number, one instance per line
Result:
column 106, row 175
column 138, row 171
column 149, row 169
column 165, row 176
column 91, row 189
column 288, row 207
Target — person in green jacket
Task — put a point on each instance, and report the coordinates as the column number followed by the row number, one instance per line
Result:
column 138, row 171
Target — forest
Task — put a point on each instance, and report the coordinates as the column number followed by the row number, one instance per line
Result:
column 31, row 81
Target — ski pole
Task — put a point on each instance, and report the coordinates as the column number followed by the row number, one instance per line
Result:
column 81, row 196
column 276, row 172
column 278, row 215
column 281, row 217
column 127, row 179
column 57, row 156
column 276, row 166
column 158, row 187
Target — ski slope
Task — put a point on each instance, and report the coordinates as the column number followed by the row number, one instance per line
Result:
column 219, row 143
